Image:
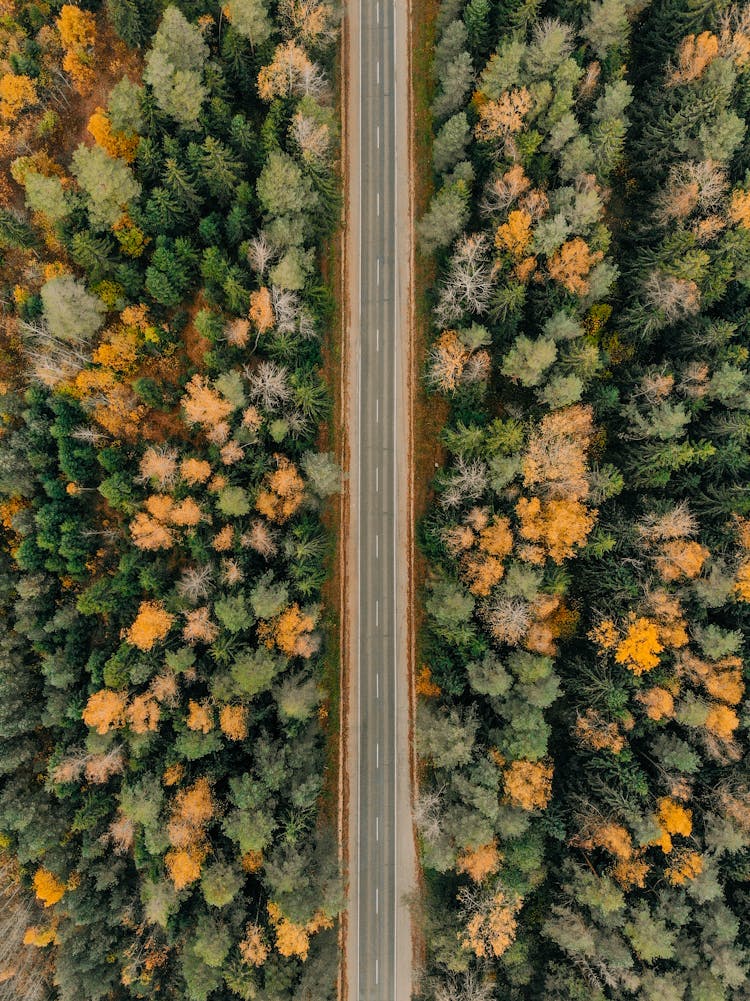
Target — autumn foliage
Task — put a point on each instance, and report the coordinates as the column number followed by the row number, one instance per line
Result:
column 151, row 625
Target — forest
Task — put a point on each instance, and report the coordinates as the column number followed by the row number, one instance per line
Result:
column 584, row 804
column 167, row 787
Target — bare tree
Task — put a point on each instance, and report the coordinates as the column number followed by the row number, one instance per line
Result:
column 260, row 538
column 691, row 186
column 676, row 523
column 312, row 138
column 468, row 986
column 469, row 480
column 670, row 298
column 477, row 368
column 120, row 834
column 312, row 81
column 468, row 283
column 502, row 190
column 307, row 328
column 260, row 253
column 269, row 385
column 195, row 582
column 298, row 423
column 24, row 969
column 54, row 359
column 286, row 306
column 90, row 435
column 428, row 813
column 509, row 620
column 101, row 767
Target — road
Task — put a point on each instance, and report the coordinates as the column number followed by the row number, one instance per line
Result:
column 381, row 842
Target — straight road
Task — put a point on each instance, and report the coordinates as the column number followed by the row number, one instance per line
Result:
column 381, row 845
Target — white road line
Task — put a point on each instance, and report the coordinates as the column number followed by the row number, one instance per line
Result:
column 377, row 269
column 377, row 755
column 377, row 686
column 358, row 583
column 396, row 288
column 377, row 547
column 377, row 11
column 377, row 411
column 378, row 69
column 377, row 479
column 376, row 900
column 377, row 828
column 378, row 203
column 377, row 972
column 377, row 135
column 377, row 612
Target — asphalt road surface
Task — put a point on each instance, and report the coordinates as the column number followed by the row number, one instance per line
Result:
column 380, row 970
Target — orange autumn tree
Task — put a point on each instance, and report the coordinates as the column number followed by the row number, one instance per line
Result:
column 631, row 872
column 294, row 939
column 657, row 702
column 261, row 310
column 253, row 947
column 204, row 405
column 739, row 208
column 722, row 679
column 48, row 888
column 192, row 810
column 119, row 145
column 291, row 939
column 484, row 566
column 672, row 818
column 105, row 710
column 448, row 359
column 696, row 52
column 559, row 526
column 149, row 534
column 479, row 863
column 572, row 263
column 113, row 403
column 425, row 686
column 528, row 784
column 598, row 733
column 151, row 625
column 501, row 118
column 640, row 647
column 557, row 520
column 722, row 721
column 78, row 36
column 555, row 463
column 607, row 835
column 514, row 236
column 143, row 714
column 233, row 721
column 680, row 558
column 684, row 865
column 491, row 920
column 282, row 493
column 290, row 70
column 290, row 632
column 200, row 717
column 17, row 93
column 195, row 471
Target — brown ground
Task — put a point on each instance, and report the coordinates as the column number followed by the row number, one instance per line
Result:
column 334, row 437
column 429, row 414
column 113, row 61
